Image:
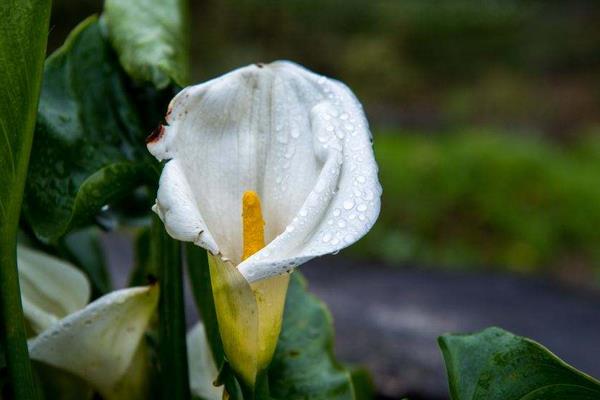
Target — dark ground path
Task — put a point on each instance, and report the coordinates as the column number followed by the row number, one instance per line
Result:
column 388, row 318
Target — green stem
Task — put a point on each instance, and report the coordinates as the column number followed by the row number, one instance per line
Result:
column 199, row 273
column 14, row 338
column 172, row 346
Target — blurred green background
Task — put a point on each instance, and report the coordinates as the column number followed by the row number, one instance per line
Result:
column 486, row 116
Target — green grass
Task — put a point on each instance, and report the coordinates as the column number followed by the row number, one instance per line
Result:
column 484, row 199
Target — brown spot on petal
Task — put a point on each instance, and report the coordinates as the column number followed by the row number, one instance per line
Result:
column 156, row 134
column 259, row 65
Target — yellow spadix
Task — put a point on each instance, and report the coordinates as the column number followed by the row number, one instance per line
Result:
column 249, row 315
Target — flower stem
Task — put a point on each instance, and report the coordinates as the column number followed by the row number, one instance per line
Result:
column 12, row 324
column 171, row 309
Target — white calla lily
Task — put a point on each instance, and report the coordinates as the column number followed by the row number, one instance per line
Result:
column 202, row 369
column 299, row 140
column 51, row 288
column 102, row 342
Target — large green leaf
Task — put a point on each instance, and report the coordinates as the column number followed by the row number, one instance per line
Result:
column 89, row 141
column 151, row 37
column 304, row 366
column 497, row 365
column 23, row 34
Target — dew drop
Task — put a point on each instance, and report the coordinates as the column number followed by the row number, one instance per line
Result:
column 348, row 204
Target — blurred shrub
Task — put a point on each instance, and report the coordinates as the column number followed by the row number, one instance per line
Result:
column 486, row 199
column 425, row 64
column 422, row 64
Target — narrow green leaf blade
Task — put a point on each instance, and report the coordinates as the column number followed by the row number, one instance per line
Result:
column 151, row 37
column 89, row 145
column 23, row 34
column 304, row 366
column 497, row 365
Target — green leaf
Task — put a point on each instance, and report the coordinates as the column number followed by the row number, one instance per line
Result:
column 497, row 365
column 23, row 34
column 151, row 37
column 89, row 145
column 304, row 366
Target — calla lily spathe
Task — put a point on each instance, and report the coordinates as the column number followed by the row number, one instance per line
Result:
column 298, row 139
column 100, row 342
column 51, row 288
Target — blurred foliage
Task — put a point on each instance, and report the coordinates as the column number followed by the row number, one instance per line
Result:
column 423, row 64
column 523, row 65
column 483, row 198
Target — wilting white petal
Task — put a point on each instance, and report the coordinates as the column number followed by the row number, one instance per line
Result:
column 300, row 140
column 202, row 369
column 50, row 288
column 100, row 342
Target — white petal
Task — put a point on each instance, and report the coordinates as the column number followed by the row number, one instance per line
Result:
column 203, row 371
column 50, row 288
column 99, row 342
column 300, row 140
column 178, row 209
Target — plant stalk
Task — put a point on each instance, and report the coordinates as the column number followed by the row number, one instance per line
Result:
column 172, row 335
column 14, row 338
